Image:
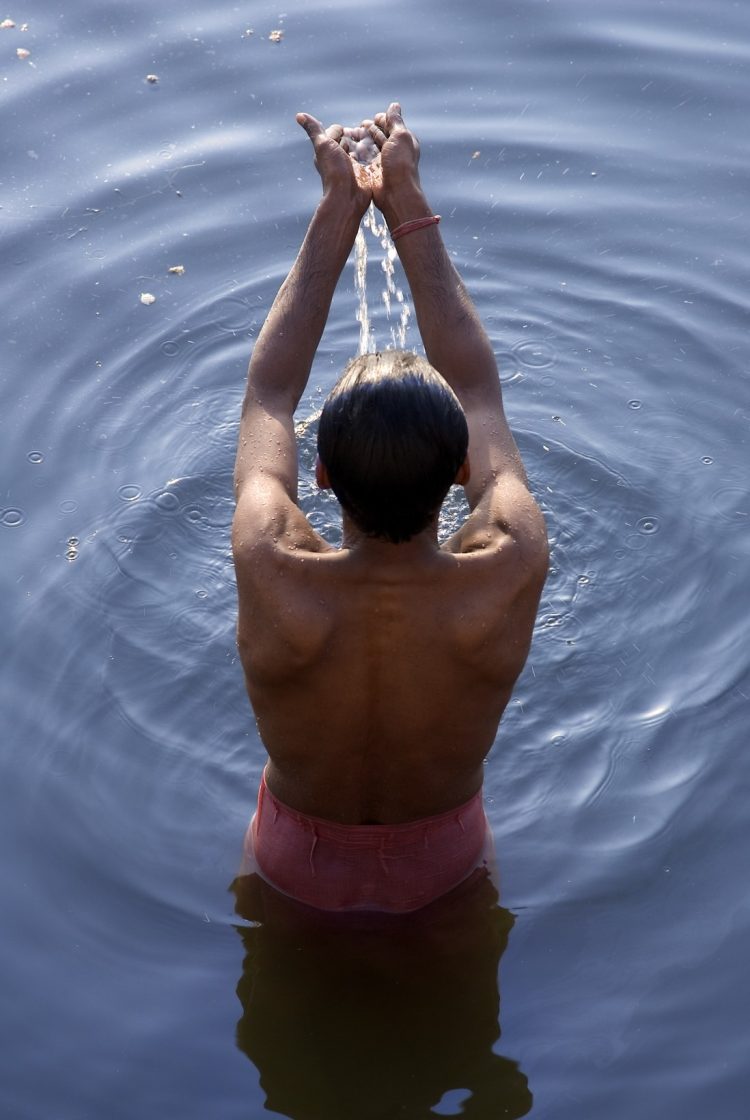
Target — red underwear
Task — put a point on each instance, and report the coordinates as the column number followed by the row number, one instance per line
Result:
column 394, row 868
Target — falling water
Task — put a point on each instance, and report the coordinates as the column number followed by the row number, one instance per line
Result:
column 391, row 293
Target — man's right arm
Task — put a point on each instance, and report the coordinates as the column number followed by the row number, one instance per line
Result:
column 457, row 346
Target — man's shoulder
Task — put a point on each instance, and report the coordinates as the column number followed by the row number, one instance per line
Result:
column 521, row 552
column 272, row 532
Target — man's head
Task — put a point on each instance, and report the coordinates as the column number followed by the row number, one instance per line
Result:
column 392, row 440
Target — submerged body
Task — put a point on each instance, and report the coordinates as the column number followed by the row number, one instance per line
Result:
column 378, row 671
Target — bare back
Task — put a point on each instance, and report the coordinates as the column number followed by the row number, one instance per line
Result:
column 378, row 674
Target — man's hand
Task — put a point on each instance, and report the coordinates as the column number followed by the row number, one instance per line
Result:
column 395, row 174
column 344, row 177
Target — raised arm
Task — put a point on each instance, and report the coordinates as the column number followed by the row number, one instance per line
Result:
column 455, row 341
column 266, row 466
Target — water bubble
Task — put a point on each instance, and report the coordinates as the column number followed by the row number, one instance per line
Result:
column 553, row 620
column 232, row 314
column 68, row 506
column 635, row 542
column 194, row 515
column 558, row 420
column 647, row 525
column 732, row 503
column 129, row 493
column 73, row 542
column 12, row 517
column 536, row 355
column 583, row 580
column 201, row 593
column 707, row 460
column 35, row 457
column 634, row 404
column 170, row 348
column 71, row 554
column 167, row 501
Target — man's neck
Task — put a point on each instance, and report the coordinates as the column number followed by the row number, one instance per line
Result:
column 418, row 548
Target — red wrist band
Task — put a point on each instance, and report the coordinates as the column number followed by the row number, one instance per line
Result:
column 416, row 223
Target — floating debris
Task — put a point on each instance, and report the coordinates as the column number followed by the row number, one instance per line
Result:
column 7, row 24
column 24, row 27
column 22, row 53
column 147, row 298
column 475, row 155
column 276, row 36
column 152, row 79
column 176, row 270
column 247, row 33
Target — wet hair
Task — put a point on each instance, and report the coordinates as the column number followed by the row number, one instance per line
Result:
column 392, row 437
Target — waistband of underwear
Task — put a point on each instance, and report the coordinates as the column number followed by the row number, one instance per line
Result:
column 367, row 833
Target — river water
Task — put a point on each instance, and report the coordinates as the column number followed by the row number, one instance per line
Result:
column 591, row 166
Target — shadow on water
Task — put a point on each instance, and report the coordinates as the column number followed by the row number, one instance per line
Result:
column 377, row 1015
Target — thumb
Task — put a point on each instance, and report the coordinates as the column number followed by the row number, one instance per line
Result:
column 393, row 118
column 312, row 127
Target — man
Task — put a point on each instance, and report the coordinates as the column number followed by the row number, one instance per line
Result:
column 378, row 672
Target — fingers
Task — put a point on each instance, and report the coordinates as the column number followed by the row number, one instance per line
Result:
column 335, row 132
column 378, row 135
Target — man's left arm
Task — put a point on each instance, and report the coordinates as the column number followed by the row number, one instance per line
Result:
column 266, row 466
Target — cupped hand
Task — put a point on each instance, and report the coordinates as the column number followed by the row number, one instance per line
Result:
column 343, row 175
column 398, row 165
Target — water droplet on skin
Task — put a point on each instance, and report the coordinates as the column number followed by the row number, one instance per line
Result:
column 35, row 457
column 12, row 517
column 634, row 404
column 647, row 525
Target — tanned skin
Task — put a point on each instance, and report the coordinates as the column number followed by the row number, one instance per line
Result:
column 378, row 672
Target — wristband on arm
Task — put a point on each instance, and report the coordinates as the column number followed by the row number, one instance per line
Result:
column 415, row 223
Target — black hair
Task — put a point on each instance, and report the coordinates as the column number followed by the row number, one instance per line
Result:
column 392, row 437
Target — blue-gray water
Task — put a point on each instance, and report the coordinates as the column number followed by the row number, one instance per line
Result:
column 590, row 162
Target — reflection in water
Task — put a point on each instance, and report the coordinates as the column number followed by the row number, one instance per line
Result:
column 377, row 1015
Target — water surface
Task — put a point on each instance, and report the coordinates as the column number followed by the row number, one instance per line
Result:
column 590, row 164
